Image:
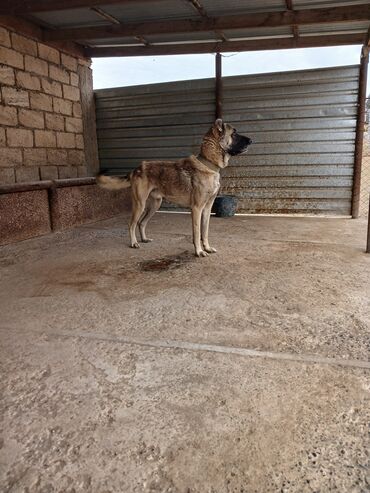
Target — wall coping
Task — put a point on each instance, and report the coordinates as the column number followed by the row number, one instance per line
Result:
column 26, row 186
column 46, row 184
column 74, row 182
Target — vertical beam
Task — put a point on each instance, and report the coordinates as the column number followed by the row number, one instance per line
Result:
column 368, row 231
column 360, row 131
column 89, row 120
column 218, row 85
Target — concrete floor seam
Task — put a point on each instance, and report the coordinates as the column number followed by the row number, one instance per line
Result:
column 215, row 348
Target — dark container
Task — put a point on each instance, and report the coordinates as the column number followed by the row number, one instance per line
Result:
column 225, row 206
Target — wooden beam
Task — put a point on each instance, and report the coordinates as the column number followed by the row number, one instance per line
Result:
column 289, row 4
column 18, row 7
column 198, row 7
column 265, row 19
column 142, row 40
column 202, row 12
column 101, row 13
column 295, row 30
column 254, row 45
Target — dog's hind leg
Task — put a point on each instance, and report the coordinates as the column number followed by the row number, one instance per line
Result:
column 138, row 207
column 153, row 205
column 139, row 197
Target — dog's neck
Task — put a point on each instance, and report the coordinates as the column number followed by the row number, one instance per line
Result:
column 208, row 164
column 211, row 151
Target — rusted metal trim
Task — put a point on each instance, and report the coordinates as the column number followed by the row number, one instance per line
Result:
column 360, row 132
column 218, row 85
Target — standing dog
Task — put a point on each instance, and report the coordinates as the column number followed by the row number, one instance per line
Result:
column 191, row 182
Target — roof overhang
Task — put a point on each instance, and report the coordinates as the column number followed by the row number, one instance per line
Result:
column 105, row 28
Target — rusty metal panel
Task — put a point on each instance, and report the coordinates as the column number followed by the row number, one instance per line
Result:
column 303, row 127
column 302, row 124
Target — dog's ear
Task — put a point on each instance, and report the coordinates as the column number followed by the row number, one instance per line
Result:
column 219, row 125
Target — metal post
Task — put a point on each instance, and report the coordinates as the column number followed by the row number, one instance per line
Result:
column 360, row 132
column 368, row 231
column 218, row 85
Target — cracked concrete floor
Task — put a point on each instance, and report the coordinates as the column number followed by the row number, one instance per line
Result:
column 113, row 379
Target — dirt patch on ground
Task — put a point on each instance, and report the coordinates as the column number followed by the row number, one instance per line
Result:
column 166, row 263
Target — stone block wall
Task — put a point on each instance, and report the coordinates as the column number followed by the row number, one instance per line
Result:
column 41, row 121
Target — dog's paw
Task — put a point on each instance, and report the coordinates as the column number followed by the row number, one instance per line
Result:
column 147, row 240
column 201, row 253
column 211, row 250
column 135, row 245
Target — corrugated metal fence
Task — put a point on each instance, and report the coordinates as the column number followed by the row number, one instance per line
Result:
column 158, row 121
column 302, row 124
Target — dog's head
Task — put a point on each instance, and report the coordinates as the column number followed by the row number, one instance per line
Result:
column 221, row 142
column 229, row 140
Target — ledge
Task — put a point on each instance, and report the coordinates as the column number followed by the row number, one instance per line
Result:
column 26, row 187
column 42, row 185
column 74, row 182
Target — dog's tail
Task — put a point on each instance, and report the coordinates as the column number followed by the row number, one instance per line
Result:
column 113, row 182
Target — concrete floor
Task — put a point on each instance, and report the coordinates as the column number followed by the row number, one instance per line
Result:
column 152, row 371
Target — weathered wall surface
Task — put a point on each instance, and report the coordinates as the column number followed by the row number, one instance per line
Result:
column 41, row 124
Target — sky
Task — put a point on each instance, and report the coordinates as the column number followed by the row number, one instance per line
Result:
column 130, row 71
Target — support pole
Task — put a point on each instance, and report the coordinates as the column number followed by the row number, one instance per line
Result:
column 218, row 85
column 360, row 131
column 368, row 231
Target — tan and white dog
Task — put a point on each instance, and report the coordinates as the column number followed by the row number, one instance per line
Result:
column 190, row 182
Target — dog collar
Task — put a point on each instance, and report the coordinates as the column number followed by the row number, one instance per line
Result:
column 208, row 164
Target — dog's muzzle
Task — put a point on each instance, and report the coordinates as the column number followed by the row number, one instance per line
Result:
column 240, row 145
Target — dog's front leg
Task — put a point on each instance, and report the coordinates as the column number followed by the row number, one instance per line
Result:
column 205, row 227
column 196, row 213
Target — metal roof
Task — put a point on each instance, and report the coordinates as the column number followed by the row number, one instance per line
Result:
column 129, row 27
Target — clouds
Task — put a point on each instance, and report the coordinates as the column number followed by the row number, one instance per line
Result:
column 118, row 72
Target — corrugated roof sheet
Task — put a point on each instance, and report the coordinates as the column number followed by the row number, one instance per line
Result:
column 338, row 28
column 221, row 7
column 314, row 4
column 263, row 33
column 69, row 18
column 157, row 10
column 170, row 10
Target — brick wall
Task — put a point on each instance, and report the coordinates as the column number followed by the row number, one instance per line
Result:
column 41, row 127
